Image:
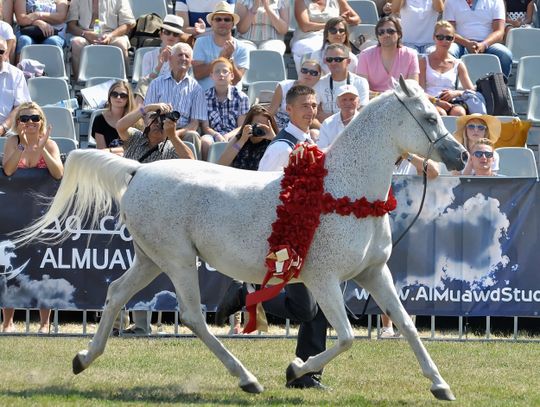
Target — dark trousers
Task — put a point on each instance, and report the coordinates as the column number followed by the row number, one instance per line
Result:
column 295, row 302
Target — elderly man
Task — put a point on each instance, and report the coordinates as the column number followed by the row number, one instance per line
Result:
column 479, row 29
column 337, row 59
column 116, row 21
column 220, row 43
column 348, row 103
column 14, row 89
column 181, row 91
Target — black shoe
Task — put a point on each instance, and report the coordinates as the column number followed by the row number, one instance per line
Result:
column 233, row 301
column 308, row 381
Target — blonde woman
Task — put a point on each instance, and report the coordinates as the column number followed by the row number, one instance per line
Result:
column 31, row 147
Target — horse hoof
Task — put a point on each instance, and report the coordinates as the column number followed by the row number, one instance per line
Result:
column 444, row 394
column 77, row 365
column 253, row 388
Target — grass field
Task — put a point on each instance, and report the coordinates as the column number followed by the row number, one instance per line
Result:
column 37, row 371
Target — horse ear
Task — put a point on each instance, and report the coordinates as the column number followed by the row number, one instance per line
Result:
column 403, row 86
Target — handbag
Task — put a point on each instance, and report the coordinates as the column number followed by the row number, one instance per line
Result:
column 35, row 32
column 514, row 133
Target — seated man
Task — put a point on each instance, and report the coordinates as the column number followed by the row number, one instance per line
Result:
column 481, row 159
column 182, row 92
column 116, row 21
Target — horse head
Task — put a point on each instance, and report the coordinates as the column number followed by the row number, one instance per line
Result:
column 429, row 138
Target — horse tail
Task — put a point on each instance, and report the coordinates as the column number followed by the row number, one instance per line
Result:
column 92, row 181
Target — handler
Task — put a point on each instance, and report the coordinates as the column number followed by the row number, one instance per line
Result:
column 295, row 302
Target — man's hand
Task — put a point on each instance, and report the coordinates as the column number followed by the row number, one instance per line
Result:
column 199, row 27
column 228, row 49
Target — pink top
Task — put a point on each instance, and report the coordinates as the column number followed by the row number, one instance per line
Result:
column 40, row 164
column 370, row 66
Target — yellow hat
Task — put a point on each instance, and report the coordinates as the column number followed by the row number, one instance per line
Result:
column 493, row 124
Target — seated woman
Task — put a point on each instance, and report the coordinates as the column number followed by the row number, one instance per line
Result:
column 263, row 24
column 336, row 31
column 311, row 17
column 439, row 72
column 119, row 103
column 470, row 129
column 42, row 22
column 519, row 13
column 482, row 157
column 310, row 73
column 30, row 147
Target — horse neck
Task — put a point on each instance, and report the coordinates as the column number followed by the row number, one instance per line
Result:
column 361, row 161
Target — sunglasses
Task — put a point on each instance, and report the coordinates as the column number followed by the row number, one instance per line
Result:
column 336, row 30
column 25, row 118
column 479, row 127
column 335, row 59
column 479, row 154
column 121, row 95
column 167, row 32
column 390, row 31
column 441, row 37
column 224, row 19
column 2, row 51
column 311, row 72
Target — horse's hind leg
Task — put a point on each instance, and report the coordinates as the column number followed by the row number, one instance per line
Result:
column 139, row 275
column 378, row 281
column 186, row 282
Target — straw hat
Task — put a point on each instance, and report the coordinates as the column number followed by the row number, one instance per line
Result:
column 173, row 23
column 493, row 124
column 223, row 8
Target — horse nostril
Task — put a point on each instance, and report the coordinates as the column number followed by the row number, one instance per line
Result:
column 464, row 156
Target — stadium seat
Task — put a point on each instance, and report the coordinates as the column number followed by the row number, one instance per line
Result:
column 142, row 7
column 48, row 91
column 517, row 162
column 533, row 111
column 366, row 9
column 215, row 151
column 528, row 73
column 523, row 42
column 192, row 148
column 137, row 62
column 61, row 120
column 261, row 92
column 449, row 123
column 65, row 145
column 362, row 35
column 264, row 66
column 91, row 139
column 101, row 61
column 49, row 55
column 479, row 65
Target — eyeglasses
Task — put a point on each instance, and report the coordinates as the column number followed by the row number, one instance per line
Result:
column 335, row 30
column 121, row 95
column 25, row 118
column 440, row 37
column 311, row 72
column 479, row 127
column 167, row 32
column 335, row 59
column 224, row 19
column 389, row 31
column 2, row 51
column 487, row 154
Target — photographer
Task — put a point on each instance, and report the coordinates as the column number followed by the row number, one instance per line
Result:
column 159, row 141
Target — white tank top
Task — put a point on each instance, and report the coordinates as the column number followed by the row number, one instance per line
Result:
column 436, row 82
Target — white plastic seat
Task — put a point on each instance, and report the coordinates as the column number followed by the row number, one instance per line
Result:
column 362, row 35
column 45, row 90
column 517, row 162
column 101, row 61
column 260, row 92
column 523, row 42
column 142, row 7
column 65, row 145
column 49, row 55
column 192, row 148
column 264, row 65
column 137, row 62
column 61, row 120
column 533, row 110
column 528, row 75
column 449, row 123
column 366, row 9
column 91, row 139
column 479, row 65
column 215, row 151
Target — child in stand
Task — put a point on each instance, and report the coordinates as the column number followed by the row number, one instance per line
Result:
column 227, row 106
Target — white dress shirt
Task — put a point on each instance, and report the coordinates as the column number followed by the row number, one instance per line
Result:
column 276, row 156
column 330, row 129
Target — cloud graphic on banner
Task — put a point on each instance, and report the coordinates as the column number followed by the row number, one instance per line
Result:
column 47, row 293
column 163, row 300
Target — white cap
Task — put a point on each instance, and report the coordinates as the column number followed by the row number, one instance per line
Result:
column 342, row 90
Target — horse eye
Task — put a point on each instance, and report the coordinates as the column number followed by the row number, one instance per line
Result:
column 431, row 120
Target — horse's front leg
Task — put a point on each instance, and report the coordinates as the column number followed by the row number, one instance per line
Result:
column 329, row 297
column 378, row 281
column 139, row 275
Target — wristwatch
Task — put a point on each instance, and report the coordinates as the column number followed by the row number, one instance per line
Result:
column 20, row 147
column 410, row 157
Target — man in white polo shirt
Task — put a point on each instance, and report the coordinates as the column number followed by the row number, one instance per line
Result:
column 348, row 103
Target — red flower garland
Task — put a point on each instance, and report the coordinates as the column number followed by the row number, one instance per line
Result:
column 303, row 201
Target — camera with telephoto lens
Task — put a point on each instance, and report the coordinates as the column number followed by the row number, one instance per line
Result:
column 174, row 116
column 257, row 130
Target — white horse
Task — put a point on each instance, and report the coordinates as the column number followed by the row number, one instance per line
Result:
column 179, row 209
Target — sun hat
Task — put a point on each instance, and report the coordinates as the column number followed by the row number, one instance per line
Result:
column 493, row 124
column 223, row 8
column 173, row 23
column 344, row 89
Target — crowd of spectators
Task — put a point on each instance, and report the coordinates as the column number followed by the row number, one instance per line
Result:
column 190, row 89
